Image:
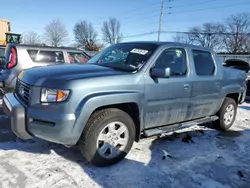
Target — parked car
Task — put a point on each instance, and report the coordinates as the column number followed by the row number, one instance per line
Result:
column 19, row 57
column 103, row 106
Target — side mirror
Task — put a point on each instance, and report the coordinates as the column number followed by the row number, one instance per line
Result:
column 160, row 73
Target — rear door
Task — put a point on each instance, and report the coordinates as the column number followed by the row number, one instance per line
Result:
column 205, row 95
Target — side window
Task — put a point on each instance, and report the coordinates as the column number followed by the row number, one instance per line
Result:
column 76, row 57
column 50, row 57
column 175, row 59
column 203, row 62
column 32, row 54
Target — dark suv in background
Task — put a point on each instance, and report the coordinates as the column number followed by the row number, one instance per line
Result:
column 19, row 57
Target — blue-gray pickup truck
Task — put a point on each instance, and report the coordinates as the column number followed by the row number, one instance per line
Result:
column 127, row 91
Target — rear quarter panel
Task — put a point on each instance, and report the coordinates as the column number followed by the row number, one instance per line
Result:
column 234, row 81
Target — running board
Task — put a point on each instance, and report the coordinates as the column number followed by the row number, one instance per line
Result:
column 178, row 126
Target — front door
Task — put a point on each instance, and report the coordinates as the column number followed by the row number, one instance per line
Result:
column 168, row 99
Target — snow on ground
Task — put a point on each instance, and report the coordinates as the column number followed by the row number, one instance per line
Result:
column 213, row 160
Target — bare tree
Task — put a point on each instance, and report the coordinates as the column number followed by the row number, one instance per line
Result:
column 111, row 31
column 182, row 38
column 86, row 36
column 31, row 37
column 56, row 33
column 237, row 37
column 210, row 35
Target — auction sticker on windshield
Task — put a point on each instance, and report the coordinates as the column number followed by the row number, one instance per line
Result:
column 139, row 51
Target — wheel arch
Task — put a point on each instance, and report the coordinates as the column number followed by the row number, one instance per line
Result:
column 234, row 96
column 130, row 102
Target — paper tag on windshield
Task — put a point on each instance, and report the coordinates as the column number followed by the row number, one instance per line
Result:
column 139, row 51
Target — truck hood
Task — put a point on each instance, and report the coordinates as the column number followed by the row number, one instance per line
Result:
column 57, row 73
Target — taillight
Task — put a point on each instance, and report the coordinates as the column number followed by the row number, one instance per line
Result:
column 13, row 58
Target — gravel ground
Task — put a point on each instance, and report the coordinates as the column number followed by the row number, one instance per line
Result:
column 194, row 157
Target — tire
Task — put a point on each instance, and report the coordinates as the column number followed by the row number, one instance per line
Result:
column 221, row 124
column 96, row 126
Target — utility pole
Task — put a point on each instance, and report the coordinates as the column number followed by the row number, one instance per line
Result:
column 160, row 20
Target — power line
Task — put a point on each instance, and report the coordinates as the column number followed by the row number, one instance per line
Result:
column 169, row 7
column 187, row 5
column 133, row 23
column 158, row 3
column 141, row 34
column 205, row 33
column 130, row 13
column 146, row 14
column 142, row 13
column 216, row 7
column 185, row 32
column 148, row 4
column 160, row 19
column 135, row 26
column 142, row 16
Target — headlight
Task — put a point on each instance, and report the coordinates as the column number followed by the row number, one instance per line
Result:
column 54, row 95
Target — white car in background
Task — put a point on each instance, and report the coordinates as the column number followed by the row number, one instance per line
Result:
column 19, row 57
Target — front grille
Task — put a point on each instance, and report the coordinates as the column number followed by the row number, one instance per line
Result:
column 23, row 91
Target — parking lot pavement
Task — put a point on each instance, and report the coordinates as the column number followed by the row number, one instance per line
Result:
column 194, row 157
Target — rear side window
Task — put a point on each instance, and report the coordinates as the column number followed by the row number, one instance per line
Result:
column 75, row 57
column 50, row 57
column 32, row 54
column 203, row 62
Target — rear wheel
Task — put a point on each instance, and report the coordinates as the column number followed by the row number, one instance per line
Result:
column 227, row 114
column 108, row 137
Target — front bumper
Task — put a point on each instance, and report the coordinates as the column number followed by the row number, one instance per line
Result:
column 27, row 123
column 17, row 112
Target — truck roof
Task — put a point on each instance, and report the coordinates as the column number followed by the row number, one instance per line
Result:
column 162, row 43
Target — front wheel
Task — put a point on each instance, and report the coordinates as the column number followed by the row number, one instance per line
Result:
column 108, row 137
column 227, row 114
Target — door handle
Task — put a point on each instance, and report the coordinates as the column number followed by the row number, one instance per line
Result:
column 186, row 86
column 217, row 84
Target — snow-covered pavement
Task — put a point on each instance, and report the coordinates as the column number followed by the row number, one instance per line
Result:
column 210, row 159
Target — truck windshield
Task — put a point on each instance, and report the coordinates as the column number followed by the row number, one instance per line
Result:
column 124, row 56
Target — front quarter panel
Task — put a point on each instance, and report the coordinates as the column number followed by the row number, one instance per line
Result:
column 90, row 103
